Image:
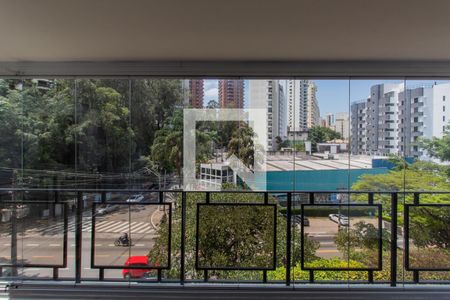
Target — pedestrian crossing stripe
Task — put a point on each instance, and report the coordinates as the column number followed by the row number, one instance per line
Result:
column 100, row 227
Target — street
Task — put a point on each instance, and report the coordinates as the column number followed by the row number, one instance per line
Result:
column 42, row 241
column 323, row 230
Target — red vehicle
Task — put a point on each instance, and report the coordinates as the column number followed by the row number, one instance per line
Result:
column 136, row 273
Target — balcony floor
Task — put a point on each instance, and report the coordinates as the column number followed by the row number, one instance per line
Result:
column 99, row 291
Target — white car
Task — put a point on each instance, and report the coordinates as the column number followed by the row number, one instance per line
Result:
column 108, row 208
column 135, row 198
column 339, row 218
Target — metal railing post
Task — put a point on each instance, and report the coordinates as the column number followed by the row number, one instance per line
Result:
column 416, row 277
column 394, row 204
column 183, row 237
column 288, row 238
column 78, row 236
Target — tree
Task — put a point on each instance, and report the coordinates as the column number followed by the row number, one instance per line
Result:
column 103, row 129
column 438, row 147
column 230, row 236
column 241, row 144
column 166, row 152
column 278, row 141
column 213, row 104
column 430, row 227
column 319, row 134
column 362, row 235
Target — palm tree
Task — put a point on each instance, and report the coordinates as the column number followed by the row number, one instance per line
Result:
column 241, row 144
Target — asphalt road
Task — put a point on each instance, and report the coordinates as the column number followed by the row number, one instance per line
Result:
column 324, row 231
column 42, row 242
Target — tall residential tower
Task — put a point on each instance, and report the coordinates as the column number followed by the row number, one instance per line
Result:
column 231, row 93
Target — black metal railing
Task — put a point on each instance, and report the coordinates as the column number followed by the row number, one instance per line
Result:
column 305, row 200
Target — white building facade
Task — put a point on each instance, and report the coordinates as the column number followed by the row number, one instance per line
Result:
column 392, row 121
column 270, row 95
column 303, row 108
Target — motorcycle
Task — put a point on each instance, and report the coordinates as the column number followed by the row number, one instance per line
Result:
column 122, row 242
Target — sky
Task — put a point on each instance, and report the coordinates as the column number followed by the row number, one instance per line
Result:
column 333, row 95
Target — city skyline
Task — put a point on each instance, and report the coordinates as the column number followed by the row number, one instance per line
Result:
column 334, row 96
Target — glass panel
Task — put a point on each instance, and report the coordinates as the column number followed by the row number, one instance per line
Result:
column 429, row 231
column 236, row 236
column 377, row 154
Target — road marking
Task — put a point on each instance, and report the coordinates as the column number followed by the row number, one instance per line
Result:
column 327, row 243
column 32, row 245
column 111, row 245
column 120, row 228
column 72, row 245
column 323, row 235
column 140, row 245
column 42, row 256
column 138, row 229
column 103, row 224
column 98, row 245
column 327, row 251
column 7, row 245
column 54, row 245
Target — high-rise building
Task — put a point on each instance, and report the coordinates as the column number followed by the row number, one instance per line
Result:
column 341, row 125
column 303, row 108
column 358, row 112
column 193, row 92
column 329, row 120
column 391, row 121
column 269, row 94
column 231, row 93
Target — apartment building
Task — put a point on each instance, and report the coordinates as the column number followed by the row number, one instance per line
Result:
column 193, row 92
column 269, row 94
column 341, row 125
column 231, row 93
column 392, row 120
column 303, row 108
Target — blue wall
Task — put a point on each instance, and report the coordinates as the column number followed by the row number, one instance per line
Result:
column 328, row 180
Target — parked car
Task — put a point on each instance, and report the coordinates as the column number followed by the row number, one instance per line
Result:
column 136, row 273
column 107, row 209
column 339, row 218
column 135, row 198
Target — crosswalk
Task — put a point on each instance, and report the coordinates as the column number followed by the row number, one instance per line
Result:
column 101, row 226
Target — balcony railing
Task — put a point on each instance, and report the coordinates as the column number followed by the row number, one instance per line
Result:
column 191, row 230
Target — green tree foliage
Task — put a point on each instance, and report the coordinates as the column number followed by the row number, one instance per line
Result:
column 241, row 144
column 430, row 227
column 438, row 147
column 231, row 236
column 109, row 122
column 319, row 134
column 166, row 151
column 297, row 145
column 103, row 129
column 360, row 242
column 224, row 240
column 213, row 104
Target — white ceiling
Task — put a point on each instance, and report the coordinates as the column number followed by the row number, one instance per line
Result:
column 184, row 30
